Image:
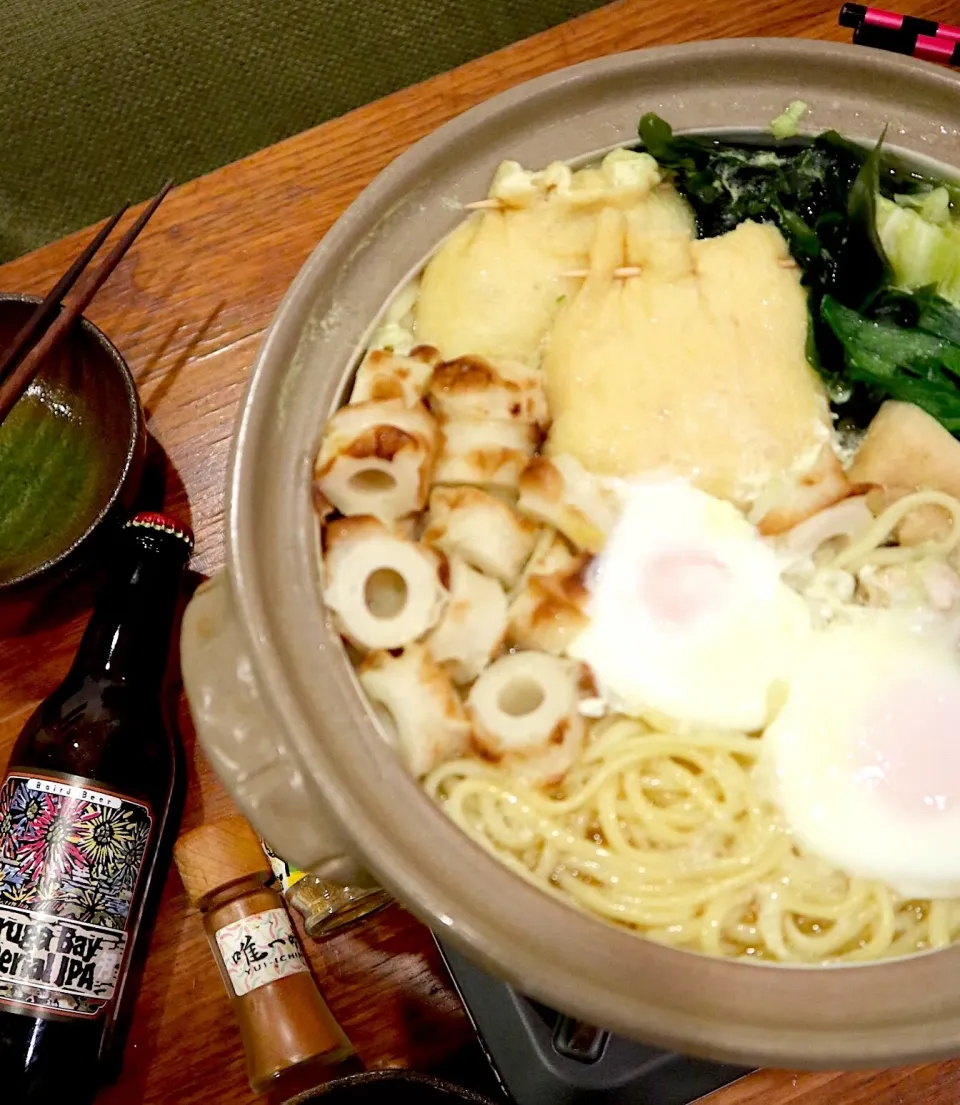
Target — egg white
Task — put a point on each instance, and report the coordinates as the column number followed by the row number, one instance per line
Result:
column 865, row 754
column 719, row 663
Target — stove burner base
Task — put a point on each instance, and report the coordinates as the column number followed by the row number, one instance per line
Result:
column 545, row 1058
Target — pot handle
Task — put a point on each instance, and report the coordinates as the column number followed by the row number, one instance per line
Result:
column 261, row 773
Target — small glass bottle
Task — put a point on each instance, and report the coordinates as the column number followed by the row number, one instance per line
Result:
column 286, row 1027
column 325, row 907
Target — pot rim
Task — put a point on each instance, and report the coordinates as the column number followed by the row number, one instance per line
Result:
column 691, row 995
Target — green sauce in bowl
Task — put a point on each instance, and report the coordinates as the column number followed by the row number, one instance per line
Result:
column 67, row 449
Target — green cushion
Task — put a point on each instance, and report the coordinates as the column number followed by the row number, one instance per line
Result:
column 104, row 99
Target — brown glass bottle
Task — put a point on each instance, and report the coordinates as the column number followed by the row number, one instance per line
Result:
column 89, row 806
column 290, row 1037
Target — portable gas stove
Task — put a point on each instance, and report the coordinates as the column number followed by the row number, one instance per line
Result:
column 542, row 1057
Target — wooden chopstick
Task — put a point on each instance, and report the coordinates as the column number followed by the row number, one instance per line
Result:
column 86, row 288
column 45, row 311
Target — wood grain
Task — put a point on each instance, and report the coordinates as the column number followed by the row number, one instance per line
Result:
column 188, row 308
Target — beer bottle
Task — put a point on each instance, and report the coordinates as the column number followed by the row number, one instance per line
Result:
column 89, row 805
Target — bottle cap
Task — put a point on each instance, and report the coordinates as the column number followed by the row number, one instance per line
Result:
column 163, row 524
column 217, row 855
column 287, row 876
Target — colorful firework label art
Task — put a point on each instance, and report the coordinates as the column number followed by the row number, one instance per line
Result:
column 259, row 949
column 70, row 862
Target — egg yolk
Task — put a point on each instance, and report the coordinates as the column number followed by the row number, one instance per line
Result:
column 909, row 750
column 680, row 586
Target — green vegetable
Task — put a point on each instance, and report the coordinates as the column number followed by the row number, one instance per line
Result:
column 808, row 191
column 878, row 244
column 937, row 316
column 923, row 309
column 922, row 241
column 933, row 206
column 917, row 365
column 898, row 181
column 787, row 123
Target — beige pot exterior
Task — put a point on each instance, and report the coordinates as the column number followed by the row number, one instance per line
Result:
column 275, row 701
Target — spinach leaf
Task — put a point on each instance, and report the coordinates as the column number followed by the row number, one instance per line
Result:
column 913, row 365
column 923, row 309
column 937, row 316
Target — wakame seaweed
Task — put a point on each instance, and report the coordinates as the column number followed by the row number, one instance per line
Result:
column 869, row 340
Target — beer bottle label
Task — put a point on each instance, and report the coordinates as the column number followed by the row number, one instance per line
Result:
column 71, row 855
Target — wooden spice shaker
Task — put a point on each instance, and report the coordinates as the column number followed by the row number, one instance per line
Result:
column 284, row 1023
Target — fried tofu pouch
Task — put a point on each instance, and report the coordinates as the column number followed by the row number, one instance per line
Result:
column 695, row 366
column 494, row 287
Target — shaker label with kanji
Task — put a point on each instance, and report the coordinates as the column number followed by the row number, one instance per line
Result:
column 70, row 859
column 260, row 949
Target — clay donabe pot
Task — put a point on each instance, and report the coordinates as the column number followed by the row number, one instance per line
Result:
column 275, row 700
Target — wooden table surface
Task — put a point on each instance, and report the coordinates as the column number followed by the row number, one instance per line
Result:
column 188, row 309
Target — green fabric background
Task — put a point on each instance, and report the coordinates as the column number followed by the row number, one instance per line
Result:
column 101, row 100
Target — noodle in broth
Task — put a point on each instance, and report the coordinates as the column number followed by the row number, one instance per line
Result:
column 476, row 461
column 673, row 835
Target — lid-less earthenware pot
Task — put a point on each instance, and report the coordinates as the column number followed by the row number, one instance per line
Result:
column 275, row 700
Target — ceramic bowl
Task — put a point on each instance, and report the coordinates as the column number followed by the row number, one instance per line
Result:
column 71, row 452
column 387, row 1087
column 276, row 702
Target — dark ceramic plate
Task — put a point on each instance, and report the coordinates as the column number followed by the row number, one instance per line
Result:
column 70, row 451
column 389, row 1087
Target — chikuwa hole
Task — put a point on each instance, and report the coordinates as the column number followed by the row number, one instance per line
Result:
column 520, row 697
column 372, row 481
column 385, row 593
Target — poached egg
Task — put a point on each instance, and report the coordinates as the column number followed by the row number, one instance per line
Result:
column 688, row 614
column 865, row 753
